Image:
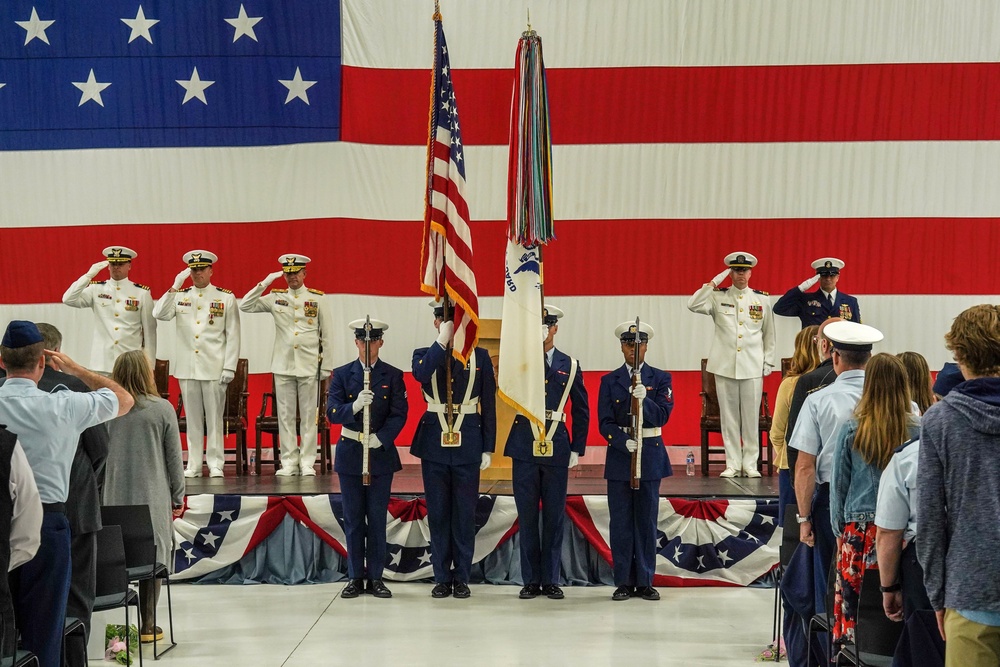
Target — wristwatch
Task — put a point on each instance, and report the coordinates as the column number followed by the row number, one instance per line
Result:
column 891, row 589
column 803, row 519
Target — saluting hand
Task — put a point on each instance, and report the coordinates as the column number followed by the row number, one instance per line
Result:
column 180, row 278
column 97, row 267
column 721, row 278
column 805, row 285
column 445, row 331
column 271, row 277
column 65, row 364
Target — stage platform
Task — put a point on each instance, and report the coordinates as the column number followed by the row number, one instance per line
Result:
column 585, row 480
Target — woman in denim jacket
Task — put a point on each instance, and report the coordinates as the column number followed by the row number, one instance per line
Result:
column 883, row 420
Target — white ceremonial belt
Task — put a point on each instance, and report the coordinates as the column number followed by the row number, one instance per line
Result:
column 555, row 416
column 350, row 435
column 469, row 408
column 646, row 432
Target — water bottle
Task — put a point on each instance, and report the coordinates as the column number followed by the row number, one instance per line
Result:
column 253, row 462
column 690, row 463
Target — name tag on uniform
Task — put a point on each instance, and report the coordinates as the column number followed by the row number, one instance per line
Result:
column 542, row 448
column 728, row 305
column 451, row 439
column 280, row 302
column 104, row 296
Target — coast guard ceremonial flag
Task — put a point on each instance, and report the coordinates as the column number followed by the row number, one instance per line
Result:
column 521, row 377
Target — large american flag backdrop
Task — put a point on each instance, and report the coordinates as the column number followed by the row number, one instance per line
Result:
column 786, row 128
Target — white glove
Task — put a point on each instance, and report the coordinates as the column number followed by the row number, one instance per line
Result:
column 487, row 459
column 639, row 391
column 373, row 441
column 323, row 375
column 545, row 331
column 226, row 377
column 445, row 330
column 631, row 445
column 364, row 398
column 574, row 459
column 271, row 277
column 721, row 278
column 767, row 370
column 181, row 277
column 806, row 284
column 97, row 268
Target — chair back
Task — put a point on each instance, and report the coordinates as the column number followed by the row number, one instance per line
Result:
column 789, row 535
column 786, row 365
column 874, row 632
column 237, row 393
column 112, row 578
column 709, row 394
column 136, row 527
column 161, row 377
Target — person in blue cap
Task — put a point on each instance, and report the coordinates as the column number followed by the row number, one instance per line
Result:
column 365, row 506
column 822, row 304
column 49, row 427
column 541, row 463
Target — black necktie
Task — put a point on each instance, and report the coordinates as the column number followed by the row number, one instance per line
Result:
column 829, row 299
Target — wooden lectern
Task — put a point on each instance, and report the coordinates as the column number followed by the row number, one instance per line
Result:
column 489, row 340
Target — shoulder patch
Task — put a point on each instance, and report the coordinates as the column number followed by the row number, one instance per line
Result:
column 186, row 289
column 721, row 289
column 316, row 291
column 762, row 292
column 145, row 287
column 98, row 282
column 279, row 291
column 223, row 289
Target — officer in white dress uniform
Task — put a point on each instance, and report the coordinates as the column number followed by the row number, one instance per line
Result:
column 301, row 335
column 742, row 354
column 124, row 310
column 207, row 349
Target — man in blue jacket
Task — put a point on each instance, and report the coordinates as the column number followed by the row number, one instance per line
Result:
column 634, row 511
column 365, row 506
column 451, row 459
column 541, row 463
column 826, row 302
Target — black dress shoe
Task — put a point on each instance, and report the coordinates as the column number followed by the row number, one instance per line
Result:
column 462, row 590
column 441, row 591
column 552, row 592
column 530, row 591
column 377, row 588
column 353, row 589
column 647, row 593
column 622, row 593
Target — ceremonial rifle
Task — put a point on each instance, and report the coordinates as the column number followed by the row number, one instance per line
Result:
column 636, row 414
column 366, row 412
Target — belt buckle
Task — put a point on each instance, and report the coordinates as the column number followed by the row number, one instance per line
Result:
column 543, row 448
column 452, row 439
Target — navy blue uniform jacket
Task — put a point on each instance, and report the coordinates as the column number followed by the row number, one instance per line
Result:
column 613, row 403
column 388, row 416
column 812, row 307
column 479, row 431
column 519, row 442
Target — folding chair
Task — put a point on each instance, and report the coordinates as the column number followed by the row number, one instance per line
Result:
column 74, row 626
column 140, row 556
column 875, row 636
column 823, row 622
column 789, row 542
column 10, row 655
column 113, row 591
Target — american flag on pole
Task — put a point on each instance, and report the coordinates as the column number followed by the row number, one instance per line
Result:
column 446, row 256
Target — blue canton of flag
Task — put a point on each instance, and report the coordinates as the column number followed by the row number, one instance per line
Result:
column 208, row 539
column 446, row 111
column 160, row 73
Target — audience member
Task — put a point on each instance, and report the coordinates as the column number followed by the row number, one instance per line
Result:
column 49, row 427
column 918, row 378
column 958, row 495
column 145, row 468
column 804, row 359
column 949, row 377
column 883, row 420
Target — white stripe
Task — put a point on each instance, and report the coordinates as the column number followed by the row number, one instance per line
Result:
column 674, row 33
column 782, row 180
column 681, row 338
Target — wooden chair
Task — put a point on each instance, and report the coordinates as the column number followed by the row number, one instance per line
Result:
column 786, row 365
column 711, row 422
column 234, row 415
column 267, row 422
column 161, row 376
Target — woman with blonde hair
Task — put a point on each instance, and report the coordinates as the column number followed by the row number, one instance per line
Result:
column 883, row 420
column 144, row 467
column 918, row 377
column 804, row 359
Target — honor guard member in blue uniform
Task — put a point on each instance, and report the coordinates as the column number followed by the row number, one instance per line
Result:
column 742, row 353
column 634, row 511
column 124, row 310
column 542, row 462
column 450, row 462
column 365, row 506
column 302, row 332
column 826, row 302
column 206, row 351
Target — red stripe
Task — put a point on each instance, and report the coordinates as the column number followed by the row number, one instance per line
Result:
column 883, row 255
column 876, row 102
